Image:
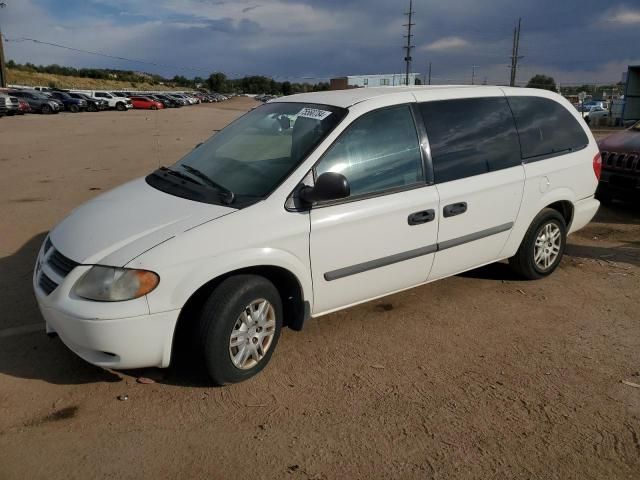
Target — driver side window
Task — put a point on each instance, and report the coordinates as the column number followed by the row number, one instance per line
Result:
column 379, row 151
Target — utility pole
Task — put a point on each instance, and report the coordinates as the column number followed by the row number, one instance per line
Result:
column 429, row 73
column 473, row 74
column 514, row 53
column 408, row 47
column 3, row 70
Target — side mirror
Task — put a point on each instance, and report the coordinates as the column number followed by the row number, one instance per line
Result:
column 329, row 186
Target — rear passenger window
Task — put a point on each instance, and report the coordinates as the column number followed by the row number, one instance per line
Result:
column 546, row 127
column 470, row 136
column 378, row 151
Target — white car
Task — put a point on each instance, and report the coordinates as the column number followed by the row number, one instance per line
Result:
column 310, row 204
column 118, row 103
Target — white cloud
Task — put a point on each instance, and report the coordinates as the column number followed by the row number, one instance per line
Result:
column 447, row 43
column 625, row 16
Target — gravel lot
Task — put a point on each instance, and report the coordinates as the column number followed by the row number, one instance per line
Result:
column 476, row 376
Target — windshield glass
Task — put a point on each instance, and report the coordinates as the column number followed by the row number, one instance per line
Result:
column 255, row 153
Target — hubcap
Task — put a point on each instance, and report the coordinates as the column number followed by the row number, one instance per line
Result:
column 252, row 334
column 547, row 247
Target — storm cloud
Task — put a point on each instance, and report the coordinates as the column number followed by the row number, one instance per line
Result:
column 576, row 41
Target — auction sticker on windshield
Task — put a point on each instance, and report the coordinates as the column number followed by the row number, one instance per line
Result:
column 314, row 113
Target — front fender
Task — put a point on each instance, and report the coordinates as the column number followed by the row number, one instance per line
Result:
column 186, row 279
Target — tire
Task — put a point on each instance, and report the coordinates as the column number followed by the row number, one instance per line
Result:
column 92, row 108
column 46, row 109
column 154, row 107
column 120, row 107
column 524, row 261
column 74, row 109
column 222, row 314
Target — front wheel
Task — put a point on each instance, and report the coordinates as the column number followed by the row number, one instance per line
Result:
column 74, row 108
column 120, row 107
column 543, row 245
column 239, row 328
column 46, row 109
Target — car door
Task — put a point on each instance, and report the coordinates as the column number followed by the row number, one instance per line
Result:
column 383, row 236
column 479, row 176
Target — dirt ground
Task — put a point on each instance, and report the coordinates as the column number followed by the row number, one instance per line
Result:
column 476, row 376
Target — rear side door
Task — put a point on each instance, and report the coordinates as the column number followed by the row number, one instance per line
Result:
column 479, row 176
column 383, row 237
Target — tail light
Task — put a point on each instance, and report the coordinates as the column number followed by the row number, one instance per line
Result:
column 597, row 165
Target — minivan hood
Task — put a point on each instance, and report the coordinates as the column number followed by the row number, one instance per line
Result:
column 117, row 226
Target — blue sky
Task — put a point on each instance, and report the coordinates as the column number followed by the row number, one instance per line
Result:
column 575, row 41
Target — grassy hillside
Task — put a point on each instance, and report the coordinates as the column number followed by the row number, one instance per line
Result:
column 18, row 77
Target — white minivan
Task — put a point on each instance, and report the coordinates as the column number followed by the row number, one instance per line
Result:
column 311, row 204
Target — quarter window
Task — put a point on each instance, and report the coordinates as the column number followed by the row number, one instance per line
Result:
column 379, row 151
column 546, row 127
column 470, row 136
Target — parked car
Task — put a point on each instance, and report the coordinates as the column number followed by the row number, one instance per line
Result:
column 70, row 103
column 146, row 103
column 620, row 165
column 12, row 105
column 595, row 114
column 170, row 101
column 3, row 106
column 38, row 101
column 311, row 204
column 93, row 104
column 116, row 102
column 183, row 101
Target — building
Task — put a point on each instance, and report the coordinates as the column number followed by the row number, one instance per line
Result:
column 381, row 80
column 631, row 109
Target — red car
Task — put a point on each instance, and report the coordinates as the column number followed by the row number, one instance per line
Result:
column 146, row 103
column 24, row 106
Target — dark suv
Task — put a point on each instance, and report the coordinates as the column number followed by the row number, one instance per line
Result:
column 620, row 165
column 70, row 103
column 93, row 104
column 37, row 101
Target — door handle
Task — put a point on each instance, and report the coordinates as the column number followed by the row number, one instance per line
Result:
column 454, row 209
column 423, row 216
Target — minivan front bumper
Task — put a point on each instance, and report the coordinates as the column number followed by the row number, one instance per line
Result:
column 108, row 334
column 133, row 342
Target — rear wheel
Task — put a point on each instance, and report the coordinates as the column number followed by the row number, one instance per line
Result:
column 239, row 328
column 74, row 108
column 543, row 245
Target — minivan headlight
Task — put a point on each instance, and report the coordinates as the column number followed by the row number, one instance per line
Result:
column 112, row 284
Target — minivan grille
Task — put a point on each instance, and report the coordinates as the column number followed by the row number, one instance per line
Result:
column 625, row 162
column 53, row 267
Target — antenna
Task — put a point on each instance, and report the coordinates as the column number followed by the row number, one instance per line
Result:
column 408, row 47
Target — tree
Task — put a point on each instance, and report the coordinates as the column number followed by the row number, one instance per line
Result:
column 286, row 88
column 543, row 82
column 217, row 82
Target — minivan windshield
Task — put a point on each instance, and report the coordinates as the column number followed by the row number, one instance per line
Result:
column 249, row 158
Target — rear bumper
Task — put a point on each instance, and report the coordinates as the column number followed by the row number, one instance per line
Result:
column 619, row 184
column 583, row 212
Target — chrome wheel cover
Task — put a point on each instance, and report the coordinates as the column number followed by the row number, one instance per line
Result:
column 252, row 334
column 547, row 246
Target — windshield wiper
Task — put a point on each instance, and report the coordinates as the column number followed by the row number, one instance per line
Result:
column 229, row 196
column 180, row 175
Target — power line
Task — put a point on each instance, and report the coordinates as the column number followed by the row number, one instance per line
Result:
column 100, row 54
